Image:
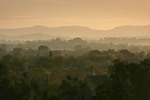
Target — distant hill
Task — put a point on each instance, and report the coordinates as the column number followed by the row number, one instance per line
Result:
column 74, row 31
column 130, row 31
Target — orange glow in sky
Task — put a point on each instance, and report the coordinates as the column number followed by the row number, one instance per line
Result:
column 96, row 14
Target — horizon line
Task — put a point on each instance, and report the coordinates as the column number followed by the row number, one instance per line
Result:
column 73, row 26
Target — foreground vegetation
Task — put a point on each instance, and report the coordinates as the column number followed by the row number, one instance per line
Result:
column 54, row 76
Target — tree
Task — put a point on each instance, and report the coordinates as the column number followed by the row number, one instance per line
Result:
column 43, row 51
column 43, row 48
column 2, row 52
column 50, row 54
column 73, row 88
column 129, row 81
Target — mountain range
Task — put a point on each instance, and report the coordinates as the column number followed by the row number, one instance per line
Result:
column 43, row 32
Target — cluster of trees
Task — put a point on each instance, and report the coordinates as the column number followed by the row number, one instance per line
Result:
column 59, row 65
column 124, row 40
column 24, row 88
column 42, row 73
column 84, row 45
column 18, row 85
column 128, row 81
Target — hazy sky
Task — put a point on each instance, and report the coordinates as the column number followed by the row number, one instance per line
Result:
column 96, row 14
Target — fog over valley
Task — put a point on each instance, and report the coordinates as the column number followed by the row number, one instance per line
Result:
column 74, row 49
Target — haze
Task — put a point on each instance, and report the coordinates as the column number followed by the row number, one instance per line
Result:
column 96, row 14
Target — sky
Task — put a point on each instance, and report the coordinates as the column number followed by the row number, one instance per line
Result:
column 96, row 14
